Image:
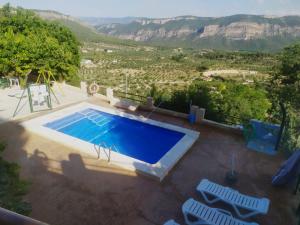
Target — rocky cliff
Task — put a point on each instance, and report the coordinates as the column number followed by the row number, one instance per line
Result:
column 192, row 31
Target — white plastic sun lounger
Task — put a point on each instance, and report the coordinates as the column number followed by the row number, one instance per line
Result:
column 196, row 213
column 171, row 222
column 213, row 192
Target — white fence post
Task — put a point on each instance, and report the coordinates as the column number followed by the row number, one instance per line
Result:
column 84, row 87
column 200, row 114
column 150, row 103
column 110, row 94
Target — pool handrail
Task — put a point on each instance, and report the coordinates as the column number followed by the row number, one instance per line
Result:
column 104, row 147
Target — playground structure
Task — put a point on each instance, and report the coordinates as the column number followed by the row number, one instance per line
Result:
column 39, row 93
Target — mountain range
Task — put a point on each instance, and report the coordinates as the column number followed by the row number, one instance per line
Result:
column 237, row 32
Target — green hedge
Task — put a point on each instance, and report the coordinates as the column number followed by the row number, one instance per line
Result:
column 12, row 188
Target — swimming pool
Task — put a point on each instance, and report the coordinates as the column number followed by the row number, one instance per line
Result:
column 137, row 143
column 136, row 139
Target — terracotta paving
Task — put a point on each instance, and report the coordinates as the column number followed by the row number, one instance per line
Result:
column 72, row 188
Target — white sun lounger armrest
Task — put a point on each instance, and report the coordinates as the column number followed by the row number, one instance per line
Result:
column 171, row 222
column 264, row 205
column 213, row 192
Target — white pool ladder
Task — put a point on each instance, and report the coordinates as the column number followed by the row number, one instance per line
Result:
column 99, row 123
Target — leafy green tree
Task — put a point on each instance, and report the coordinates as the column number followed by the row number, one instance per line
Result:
column 285, row 91
column 287, row 78
column 201, row 68
column 242, row 102
column 230, row 102
column 178, row 57
column 227, row 102
column 30, row 45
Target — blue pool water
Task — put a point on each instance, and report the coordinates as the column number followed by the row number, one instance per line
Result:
column 136, row 139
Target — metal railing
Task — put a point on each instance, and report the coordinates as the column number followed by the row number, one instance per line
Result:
column 102, row 90
column 103, row 147
column 130, row 96
column 152, row 111
column 106, row 150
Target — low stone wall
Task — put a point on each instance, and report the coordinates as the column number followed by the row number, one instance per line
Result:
column 186, row 116
column 102, row 97
column 124, row 104
column 231, row 128
column 165, row 111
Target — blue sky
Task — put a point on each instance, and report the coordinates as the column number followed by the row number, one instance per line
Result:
column 162, row 8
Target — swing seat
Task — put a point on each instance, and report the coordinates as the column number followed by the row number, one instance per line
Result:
column 39, row 94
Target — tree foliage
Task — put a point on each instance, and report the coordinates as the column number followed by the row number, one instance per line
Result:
column 30, row 45
column 228, row 102
column 12, row 188
column 285, row 88
column 201, row 68
column 287, row 79
column 178, row 57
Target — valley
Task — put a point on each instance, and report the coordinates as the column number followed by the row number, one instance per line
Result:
column 168, row 69
column 176, row 75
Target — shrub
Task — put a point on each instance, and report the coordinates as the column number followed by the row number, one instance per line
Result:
column 201, row 68
column 178, row 57
column 12, row 188
column 227, row 102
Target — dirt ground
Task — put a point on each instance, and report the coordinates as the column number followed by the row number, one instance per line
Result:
column 72, row 188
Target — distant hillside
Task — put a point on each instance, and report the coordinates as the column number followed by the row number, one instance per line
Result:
column 238, row 32
column 96, row 21
column 53, row 15
column 82, row 30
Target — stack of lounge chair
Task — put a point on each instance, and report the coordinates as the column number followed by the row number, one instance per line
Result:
column 196, row 213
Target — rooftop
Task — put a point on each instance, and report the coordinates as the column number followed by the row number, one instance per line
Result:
column 70, row 187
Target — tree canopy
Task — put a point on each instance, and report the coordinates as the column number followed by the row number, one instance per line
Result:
column 287, row 79
column 30, row 45
column 227, row 102
column 285, row 89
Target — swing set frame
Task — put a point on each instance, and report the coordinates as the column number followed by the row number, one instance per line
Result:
column 45, row 78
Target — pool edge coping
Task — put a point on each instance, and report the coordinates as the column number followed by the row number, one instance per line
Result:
column 158, row 170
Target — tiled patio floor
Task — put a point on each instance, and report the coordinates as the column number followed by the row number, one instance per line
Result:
column 70, row 188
